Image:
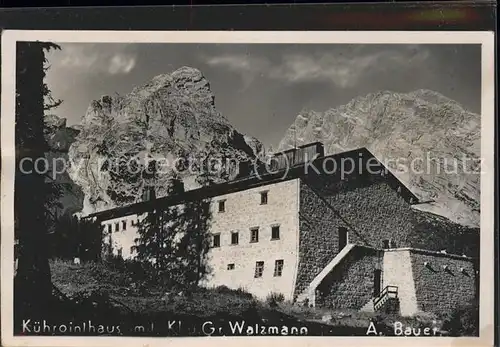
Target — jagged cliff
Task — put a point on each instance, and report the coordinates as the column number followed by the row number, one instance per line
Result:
column 408, row 132
column 171, row 117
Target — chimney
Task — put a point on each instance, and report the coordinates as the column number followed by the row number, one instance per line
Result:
column 283, row 160
column 244, row 169
column 148, row 193
column 303, row 154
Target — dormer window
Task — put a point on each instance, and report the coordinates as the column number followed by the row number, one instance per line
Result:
column 263, row 198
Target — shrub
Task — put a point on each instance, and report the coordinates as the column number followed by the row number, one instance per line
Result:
column 425, row 319
column 301, row 312
column 240, row 292
column 115, row 262
column 463, row 320
column 273, row 299
column 223, row 289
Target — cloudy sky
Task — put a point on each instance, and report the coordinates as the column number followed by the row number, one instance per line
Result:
column 261, row 88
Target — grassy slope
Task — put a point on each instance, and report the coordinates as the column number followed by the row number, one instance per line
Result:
column 219, row 303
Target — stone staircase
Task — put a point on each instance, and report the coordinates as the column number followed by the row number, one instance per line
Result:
column 387, row 301
column 368, row 307
column 310, row 292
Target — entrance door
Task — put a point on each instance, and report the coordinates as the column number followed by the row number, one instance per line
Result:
column 377, row 278
column 342, row 238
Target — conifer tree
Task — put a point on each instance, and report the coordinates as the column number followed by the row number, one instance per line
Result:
column 195, row 242
column 33, row 196
column 156, row 244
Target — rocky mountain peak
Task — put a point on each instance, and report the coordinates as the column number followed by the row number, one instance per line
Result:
column 170, row 117
column 424, row 131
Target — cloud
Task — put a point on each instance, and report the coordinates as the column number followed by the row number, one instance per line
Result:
column 73, row 56
column 239, row 62
column 121, row 63
column 91, row 58
column 342, row 68
column 246, row 65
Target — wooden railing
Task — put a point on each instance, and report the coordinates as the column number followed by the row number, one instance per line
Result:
column 386, row 293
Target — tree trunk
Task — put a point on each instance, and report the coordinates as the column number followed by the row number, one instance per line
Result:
column 32, row 282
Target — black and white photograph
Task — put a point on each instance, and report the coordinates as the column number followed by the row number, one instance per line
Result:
column 247, row 184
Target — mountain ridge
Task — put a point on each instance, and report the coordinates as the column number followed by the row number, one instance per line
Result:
column 410, row 127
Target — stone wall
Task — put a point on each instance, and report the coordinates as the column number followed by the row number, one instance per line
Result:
column 351, row 283
column 369, row 208
column 431, row 287
column 372, row 211
column 318, row 237
column 439, row 289
column 432, row 232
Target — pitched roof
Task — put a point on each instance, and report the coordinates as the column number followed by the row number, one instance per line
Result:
column 256, row 179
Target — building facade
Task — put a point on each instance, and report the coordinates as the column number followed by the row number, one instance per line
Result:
column 320, row 235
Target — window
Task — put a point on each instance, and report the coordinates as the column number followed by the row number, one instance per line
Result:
column 278, row 267
column 222, row 205
column 124, row 225
column 385, row 244
column 110, row 228
column 230, row 266
column 275, row 232
column 254, row 235
column 263, row 198
column 117, row 226
column 134, row 222
column 259, row 269
column 234, row 238
column 216, row 240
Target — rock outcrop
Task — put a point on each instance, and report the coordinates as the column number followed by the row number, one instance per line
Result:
column 430, row 142
column 170, row 121
column 59, row 139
